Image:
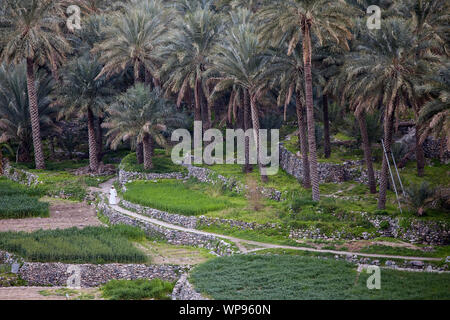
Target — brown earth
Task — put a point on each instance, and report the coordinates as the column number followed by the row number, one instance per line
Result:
column 47, row 293
column 63, row 214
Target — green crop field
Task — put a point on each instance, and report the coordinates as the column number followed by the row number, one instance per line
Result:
column 174, row 196
column 17, row 201
column 278, row 277
column 89, row 245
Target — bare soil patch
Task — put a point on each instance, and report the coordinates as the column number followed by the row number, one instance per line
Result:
column 46, row 293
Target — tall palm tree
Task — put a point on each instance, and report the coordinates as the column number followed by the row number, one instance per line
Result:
column 294, row 20
column 434, row 117
column 132, row 39
column 241, row 59
column 83, row 94
column 15, row 121
column 186, row 55
column 239, row 96
column 430, row 21
column 289, row 76
column 385, row 71
column 142, row 115
column 32, row 33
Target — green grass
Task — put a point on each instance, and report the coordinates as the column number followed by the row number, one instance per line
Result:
column 174, row 196
column 162, row 163
column 277, row 277
column 88, row 245
column 281, row 181
column 141, row 289
column 57, row 181
column 438, row 252
column 11, row 188
column 19, row 202
column 22, row 206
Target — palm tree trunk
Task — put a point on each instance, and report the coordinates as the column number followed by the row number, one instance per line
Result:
column 247, row 125
column 420, row 156
column 310, row 114
column 93, row 161
column 99, row 138
column 34, row 115
column 384, row 178
column 140, row 153
column 146, row 141
column 255, row 121
column 367, row 152
column 326, row 127
column 197, row 106
column 301, row 121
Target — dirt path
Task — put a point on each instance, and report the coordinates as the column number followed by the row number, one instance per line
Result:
column 47, row 293
column 63, row 214
column 260, row 245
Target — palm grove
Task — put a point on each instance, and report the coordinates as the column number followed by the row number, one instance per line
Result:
column 141, row 68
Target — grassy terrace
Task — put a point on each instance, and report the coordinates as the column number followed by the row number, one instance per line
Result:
column 19, row 202
column 296, row 277
column 58, row 179
column 141, row 289
column 89, row 245
column 162, row 163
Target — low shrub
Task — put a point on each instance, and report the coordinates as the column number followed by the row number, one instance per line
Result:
column 137, row 289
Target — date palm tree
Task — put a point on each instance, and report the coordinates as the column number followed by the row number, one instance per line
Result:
column 82, row 94
column 385, row 71
column 132, row 38
column 241, row 59
column 297, row 20
column 143, row 116
column 289, row 73
column 434, row 117
column 32, row 34
column 186, row 54
column 15, row 121
column 239, row 97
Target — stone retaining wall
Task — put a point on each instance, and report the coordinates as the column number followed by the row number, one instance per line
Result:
column 183, row 290
column 413, row 231
column 328, row 172
column 93, row 275
column 191, row 221
column 176, row 237
column 18, row 175
column 127, row 176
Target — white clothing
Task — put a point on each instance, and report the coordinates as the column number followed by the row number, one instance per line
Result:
column 113, row 196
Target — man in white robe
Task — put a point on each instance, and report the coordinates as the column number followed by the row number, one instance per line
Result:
column 113, row 196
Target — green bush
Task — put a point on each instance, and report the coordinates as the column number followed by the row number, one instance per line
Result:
column 137, row 289
column 88, row 245
column 22, row 206
column 173, row 196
